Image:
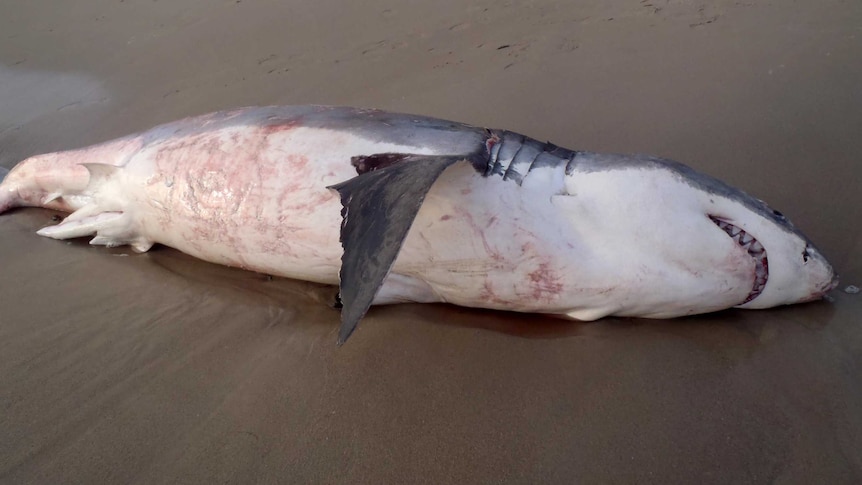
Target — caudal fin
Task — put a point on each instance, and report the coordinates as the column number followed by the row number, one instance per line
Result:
column 7, row 196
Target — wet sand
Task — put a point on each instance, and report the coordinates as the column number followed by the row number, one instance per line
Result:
column 124, row 368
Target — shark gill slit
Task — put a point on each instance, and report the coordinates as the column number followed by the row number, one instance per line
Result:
column 507, row 152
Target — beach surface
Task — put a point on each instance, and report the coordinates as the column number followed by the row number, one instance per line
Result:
column 157, row 368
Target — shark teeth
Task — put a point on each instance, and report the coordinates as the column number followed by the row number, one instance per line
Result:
column 755, row 250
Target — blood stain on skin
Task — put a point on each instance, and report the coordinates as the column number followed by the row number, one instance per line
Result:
column 279, row 127
column 545, row 283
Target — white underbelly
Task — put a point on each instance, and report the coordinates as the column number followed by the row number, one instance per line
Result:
column 489, row 243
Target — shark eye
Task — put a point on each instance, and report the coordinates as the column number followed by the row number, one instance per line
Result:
column 805, row 254
column 778, row 214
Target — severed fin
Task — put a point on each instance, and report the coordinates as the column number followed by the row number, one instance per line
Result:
column 378, row 208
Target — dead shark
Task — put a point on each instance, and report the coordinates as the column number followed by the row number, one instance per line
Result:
column 402, row 208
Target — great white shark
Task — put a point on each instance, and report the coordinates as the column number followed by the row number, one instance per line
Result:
column 402, row 208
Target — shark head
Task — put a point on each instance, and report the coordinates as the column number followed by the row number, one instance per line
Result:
column 691, row 242
column 788, row 268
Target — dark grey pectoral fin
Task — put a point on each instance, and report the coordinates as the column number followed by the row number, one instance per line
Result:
column 378, row 208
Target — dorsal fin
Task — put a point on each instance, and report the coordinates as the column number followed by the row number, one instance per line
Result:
column 378, row 208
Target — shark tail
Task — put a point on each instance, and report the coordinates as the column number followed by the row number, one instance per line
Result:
column 8, row 195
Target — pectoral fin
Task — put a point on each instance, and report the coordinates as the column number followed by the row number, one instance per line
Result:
column 378, row 208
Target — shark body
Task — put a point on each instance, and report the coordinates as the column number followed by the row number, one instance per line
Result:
column 402, row 208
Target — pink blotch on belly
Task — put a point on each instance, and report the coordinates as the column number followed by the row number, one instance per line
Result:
column 545, row 283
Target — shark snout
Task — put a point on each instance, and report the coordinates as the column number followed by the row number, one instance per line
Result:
column 831, row 285
column 822, row 278
column 828, row 277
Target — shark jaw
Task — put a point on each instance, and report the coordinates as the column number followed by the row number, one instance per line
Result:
column 754, row 249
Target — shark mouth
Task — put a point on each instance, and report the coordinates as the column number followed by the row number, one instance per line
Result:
column 755, row 250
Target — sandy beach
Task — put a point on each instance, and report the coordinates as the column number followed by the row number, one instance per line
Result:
column 117, row 367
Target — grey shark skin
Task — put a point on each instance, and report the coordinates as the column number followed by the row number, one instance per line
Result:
column 396, row 208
